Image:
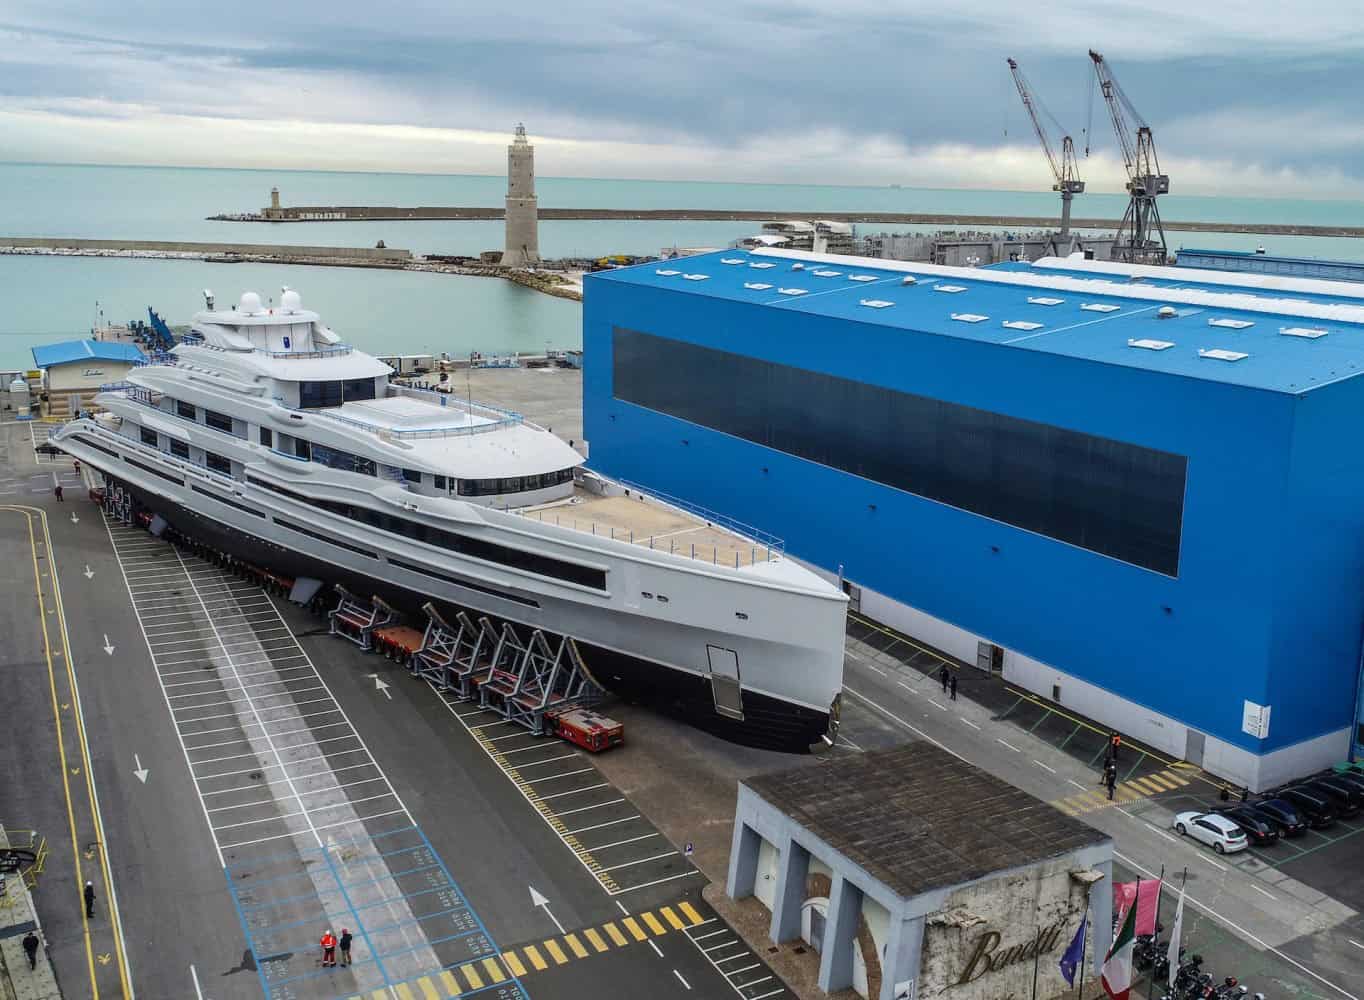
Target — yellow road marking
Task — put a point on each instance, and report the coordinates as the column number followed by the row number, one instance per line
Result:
column 404, row 993
column 672, row 918
column 513, row 963
column 595, row 940
column 1146, row 786
column 494, row 970
column 653, row 924
column 429, row 990
column 633, row 928
column 471, row 974
column 576, row 945
column 380, row 995
column 614, row 933
column 536, row 960
column 690, row 913
column 1177, row 778
column 451, row 984
column 555, row 952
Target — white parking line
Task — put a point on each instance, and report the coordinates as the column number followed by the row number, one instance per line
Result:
column 565, row 774
column 599, row 826
column 548, row 760
column 937, row 705
column 968, row 722
column 640, row 861
column 1008, row 744
column 1045, row 767
column 621, row 843
column 576, row 791
column 1263, row 893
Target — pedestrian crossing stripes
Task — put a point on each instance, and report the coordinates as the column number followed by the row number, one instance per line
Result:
column 1124, row 793
column 471, row 977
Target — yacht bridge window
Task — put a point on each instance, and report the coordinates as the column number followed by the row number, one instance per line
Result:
column 218, row 421
column 314, row 395
column 148, row 436
column 334, row 458
column 512, row 484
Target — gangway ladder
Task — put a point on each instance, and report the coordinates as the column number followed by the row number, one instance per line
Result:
column 356, row 620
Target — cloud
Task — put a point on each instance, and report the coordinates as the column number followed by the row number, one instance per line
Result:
column 1239, row 93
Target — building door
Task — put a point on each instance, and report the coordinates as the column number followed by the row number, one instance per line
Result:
column 854, row 593
column 817, row 921
column 724, row 681
column 1193, row 747
column 990, row 657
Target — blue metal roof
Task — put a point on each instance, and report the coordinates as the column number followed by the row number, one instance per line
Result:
column 1262, row 263
column 84, row 350
column 1086, row 324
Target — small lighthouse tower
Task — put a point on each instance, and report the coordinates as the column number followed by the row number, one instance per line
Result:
column 523, row 242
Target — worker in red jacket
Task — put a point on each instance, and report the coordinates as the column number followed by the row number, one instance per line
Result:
column 328, row 949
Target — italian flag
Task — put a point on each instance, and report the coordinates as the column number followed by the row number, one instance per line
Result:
column 1117, row 970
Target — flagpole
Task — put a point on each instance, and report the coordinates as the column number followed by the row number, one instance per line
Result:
column 1084, row 941
column 1155, row 931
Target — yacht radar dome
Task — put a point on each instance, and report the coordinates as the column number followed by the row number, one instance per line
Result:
column 289, row 300
column 250, row 303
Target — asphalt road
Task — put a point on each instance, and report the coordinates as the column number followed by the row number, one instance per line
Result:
column 255, row 783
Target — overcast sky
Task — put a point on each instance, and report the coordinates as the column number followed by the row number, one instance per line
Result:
column 1245, row 97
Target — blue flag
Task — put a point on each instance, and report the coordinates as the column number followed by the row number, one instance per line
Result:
column 1074, row 954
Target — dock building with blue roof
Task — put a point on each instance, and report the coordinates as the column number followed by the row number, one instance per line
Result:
column 1131, row 489
column 73, row 371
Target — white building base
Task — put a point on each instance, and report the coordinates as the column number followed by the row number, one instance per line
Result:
column 1170, row 736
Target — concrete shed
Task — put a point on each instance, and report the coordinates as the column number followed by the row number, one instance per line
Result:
column 916, row 875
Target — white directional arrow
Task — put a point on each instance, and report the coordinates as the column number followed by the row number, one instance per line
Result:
column 538, row 900
column 74, row 518
column 379, row 685
column 141, row 771
column 89, row 573
column 108, row 646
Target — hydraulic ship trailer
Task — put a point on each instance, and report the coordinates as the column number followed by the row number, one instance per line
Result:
column 538, row 681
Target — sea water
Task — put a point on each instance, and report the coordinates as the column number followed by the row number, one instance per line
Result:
column 50, row 298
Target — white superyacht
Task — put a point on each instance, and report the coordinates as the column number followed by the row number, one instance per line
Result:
column 267, row 437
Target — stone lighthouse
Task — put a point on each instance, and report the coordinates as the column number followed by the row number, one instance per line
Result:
column 523, row 242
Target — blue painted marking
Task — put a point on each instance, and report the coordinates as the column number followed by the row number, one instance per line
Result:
column 250, row 942
column 331, row 867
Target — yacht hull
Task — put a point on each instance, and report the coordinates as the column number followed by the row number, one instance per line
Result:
column 768, row 722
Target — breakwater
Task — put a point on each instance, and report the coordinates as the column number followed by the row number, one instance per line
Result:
column 561, row 284
column 382, row 213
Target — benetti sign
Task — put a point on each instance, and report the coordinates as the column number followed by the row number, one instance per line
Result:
column 989, row 957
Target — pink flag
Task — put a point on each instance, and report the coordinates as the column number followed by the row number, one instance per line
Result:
column 1149, row 905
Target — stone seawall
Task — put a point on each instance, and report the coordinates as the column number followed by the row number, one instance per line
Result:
column 267, row 250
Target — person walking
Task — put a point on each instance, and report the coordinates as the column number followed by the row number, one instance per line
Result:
column 345, row 945
column 328, row 949
column 58, row 491
column 953, row 685
column 942, row 676
column 89, row 893
column 1114, row 743
column 31, row 949
column 1112, row 780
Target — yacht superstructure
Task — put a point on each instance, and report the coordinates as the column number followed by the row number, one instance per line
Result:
column 269, row 438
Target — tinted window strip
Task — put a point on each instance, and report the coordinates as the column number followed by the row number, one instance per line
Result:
column 231, row 503
column 325, row 538
column 460, row 582
column 493, row 552
column 155, row 472
column 1111, row 497
column 98, row 447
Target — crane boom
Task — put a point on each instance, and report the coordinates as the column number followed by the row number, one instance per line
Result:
column 1065, row 170
column 1141, row 225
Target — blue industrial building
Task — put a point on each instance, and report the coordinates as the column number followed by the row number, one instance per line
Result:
column 1135, row 491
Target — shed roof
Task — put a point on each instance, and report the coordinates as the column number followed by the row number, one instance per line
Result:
column 1219, row 326
column 918, row 818
column 68, row 351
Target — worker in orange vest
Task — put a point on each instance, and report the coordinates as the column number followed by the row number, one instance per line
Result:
column 328, row 949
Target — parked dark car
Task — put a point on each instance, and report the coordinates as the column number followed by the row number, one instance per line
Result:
column 1282, row 814
column 1259, row 831
column 1317, row 808
column 1346, row 798
column 1355, row 778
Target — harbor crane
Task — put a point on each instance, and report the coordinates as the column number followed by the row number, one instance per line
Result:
column 1065, row 170
column 1141, row 237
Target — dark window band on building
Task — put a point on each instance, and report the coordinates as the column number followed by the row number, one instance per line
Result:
column 178, row 448
column 218, row 421
column 98, row 447
column 147, row 435
column 1110, row 497
column 218, row 463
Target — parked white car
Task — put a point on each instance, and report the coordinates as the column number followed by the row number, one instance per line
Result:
column 1218, row 832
